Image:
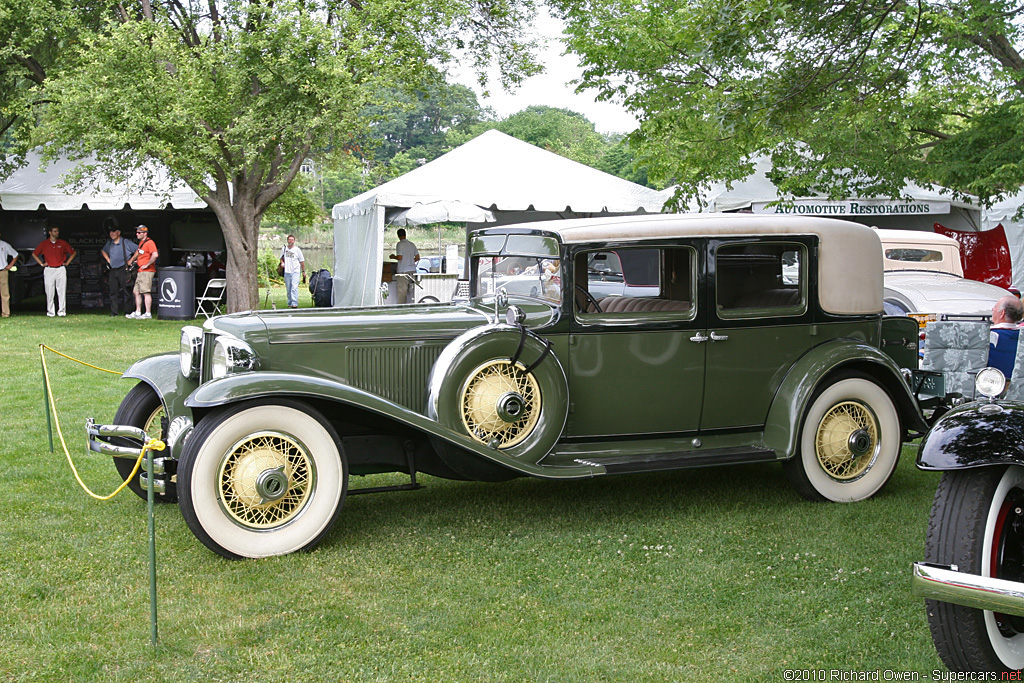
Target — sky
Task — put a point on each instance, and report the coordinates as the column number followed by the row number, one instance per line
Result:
column 552, row 87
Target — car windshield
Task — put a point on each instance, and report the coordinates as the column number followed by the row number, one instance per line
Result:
column 533, row 276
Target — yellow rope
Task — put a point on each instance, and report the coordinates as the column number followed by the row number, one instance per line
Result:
column 82, row 362
column 151, row 445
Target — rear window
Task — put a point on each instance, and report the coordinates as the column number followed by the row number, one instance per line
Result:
column 913, row 255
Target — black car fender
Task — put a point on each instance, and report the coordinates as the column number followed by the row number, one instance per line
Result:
column 975, row 435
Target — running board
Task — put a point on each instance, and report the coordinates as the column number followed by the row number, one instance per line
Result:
column 680, row 460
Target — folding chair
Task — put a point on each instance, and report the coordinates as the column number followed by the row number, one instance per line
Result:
column 210, row 303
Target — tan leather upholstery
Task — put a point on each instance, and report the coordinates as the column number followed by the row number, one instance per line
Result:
column 630, row 304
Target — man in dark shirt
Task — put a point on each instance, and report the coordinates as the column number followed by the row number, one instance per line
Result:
column 1002, row 347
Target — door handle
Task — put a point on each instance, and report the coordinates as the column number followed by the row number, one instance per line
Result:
column 718, row 337
column 699, row 338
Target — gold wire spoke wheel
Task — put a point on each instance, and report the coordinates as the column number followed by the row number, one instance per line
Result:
column 153, row 426
column 266, row 480
column 500, row 404
column 847, row 440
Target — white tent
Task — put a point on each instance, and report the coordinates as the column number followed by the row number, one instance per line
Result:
column 514, row 180
column 32, row 187
column 921, row 208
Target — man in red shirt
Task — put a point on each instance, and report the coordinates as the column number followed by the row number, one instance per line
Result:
column 56, row 254
column 145, row 257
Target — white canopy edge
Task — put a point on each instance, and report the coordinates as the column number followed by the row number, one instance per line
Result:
column 32, row 187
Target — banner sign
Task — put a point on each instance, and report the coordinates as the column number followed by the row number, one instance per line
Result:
column 853, row 207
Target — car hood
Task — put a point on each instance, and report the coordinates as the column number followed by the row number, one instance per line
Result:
column 421, row 322
column 942, row 293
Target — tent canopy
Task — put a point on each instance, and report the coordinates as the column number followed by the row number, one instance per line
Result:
column 32, row 187
column 921, row 208
column 514, row 180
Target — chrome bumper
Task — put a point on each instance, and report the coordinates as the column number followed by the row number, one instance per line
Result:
column 946, row 584
column 98, row 435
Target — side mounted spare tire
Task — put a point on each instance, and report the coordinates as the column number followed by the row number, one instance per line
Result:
column 502, row 387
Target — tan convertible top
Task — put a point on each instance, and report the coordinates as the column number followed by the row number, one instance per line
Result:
column 849, row 265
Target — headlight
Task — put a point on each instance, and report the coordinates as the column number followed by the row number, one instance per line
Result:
column 232, row 355
column 191, row 354
column 990, row 383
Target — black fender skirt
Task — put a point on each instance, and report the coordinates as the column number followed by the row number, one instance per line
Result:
column 974, row 435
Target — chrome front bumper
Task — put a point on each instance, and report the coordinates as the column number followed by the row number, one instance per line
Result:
column 946, row 584
column 98, row 435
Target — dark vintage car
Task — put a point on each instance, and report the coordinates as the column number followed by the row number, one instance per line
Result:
column 713, row 358
column 972, row 578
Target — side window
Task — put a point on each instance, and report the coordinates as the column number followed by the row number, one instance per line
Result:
column 759, row 279
column 635, row 281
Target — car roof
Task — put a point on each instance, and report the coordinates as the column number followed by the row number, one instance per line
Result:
column 916, row 237
column 850, row 254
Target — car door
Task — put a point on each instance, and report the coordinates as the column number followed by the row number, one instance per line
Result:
column 759, row 323
column 636, row 363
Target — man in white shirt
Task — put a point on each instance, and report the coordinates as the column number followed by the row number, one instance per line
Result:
column 407, row 256
column 294, row 266
column 8, row 257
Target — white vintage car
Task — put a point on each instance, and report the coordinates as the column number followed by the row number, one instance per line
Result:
column 924, row 275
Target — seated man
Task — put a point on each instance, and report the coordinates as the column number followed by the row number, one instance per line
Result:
column 1002, row 348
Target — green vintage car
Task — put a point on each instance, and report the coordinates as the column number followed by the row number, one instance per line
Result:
column 587, row 347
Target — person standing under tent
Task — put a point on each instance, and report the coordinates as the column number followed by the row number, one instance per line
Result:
column 116, row 252
column 8, row 257
column 56, row 255
column 407, row 256
column 145, row 256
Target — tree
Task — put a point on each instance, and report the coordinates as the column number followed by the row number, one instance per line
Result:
column 33, row 37
column 562, row 131
column 847, row 98
column 234, row 95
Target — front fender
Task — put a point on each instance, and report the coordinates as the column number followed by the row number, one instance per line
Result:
column 782, row 428
column 251, row 385
column 163, row 374
column 975, row 435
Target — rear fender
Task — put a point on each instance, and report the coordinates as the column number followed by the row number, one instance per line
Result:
column 782, row 428
column 975, row 435
column 251, row 385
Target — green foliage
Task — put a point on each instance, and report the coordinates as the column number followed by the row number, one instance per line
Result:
column 890, row 90
column 232, row 96
column 299, row 205
column 561, row 131
column 266, row 266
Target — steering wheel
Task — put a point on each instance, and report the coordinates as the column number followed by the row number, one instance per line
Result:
column 591, row 301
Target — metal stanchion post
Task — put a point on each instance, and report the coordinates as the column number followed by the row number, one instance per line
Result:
column 152, row 547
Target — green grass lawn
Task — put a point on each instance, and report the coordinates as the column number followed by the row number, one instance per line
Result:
column 718, row 574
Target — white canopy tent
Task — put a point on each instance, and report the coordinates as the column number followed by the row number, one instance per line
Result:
column 921, row 208
column 32, row 188
column 513, row 180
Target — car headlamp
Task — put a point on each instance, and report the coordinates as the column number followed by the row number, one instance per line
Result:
column 990, row 383
column 190, row 355
column 232, row 355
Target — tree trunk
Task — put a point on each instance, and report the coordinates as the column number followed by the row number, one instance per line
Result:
column 241, row 227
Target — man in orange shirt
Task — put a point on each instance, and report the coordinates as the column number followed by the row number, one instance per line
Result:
column 145, row 257
column 57, row 254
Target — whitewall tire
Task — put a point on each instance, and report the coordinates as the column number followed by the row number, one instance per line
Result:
column 261, row 479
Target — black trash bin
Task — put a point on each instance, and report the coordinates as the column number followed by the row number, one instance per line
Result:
column 174, row 293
